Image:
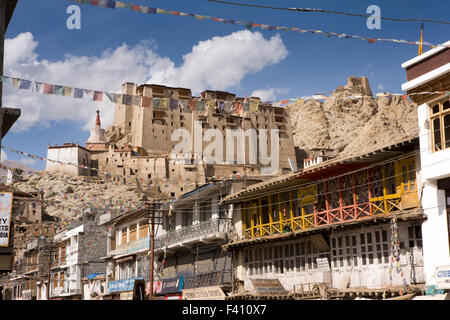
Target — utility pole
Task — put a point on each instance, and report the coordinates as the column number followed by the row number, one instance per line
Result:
column 152, row 246
column 151, row 216
column 49, row 270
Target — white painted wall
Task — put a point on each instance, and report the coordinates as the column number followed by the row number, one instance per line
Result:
column 435, row 165
column 74, row 155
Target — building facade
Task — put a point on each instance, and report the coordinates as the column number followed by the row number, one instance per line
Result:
column 126, row 258
column 69, row 158
column 76, row 254
column 430, row 72
column 189, row 251
column 350, row 225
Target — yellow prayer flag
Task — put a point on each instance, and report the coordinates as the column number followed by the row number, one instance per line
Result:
column 67, row 91
column 120, row 4
column 254, row 106
column 16, row 82
column 165, row 103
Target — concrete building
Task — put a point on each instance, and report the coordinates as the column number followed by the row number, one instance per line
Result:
column 76, row 254
column 345, row 227
column 430, row 72
column 28, row 279
column 71, row 157
column 189, row 251
column 126, row 258
column 8, row 116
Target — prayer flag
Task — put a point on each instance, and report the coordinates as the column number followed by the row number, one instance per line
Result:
column 59, row 90
column 126, row 99
column 192, row 105
column 48, row 88
column 254, row 106
column 156, row 102
column 25, row 84
column 78, row 93
column 173, row 104
column 98, row 96
column 146, row 101
column 6, row 79
column 67, row 91
column 111, row 4
column 136, row 100
column 165, row 103
column 201, row 105
column 16, row 82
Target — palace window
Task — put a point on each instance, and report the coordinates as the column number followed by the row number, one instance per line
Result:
column 440, row 125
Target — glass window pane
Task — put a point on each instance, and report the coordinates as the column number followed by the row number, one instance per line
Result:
column 437, row 133
column 447, row 130
column 446, row 105
column 435, row 109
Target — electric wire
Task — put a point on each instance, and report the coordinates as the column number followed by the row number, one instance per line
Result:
column 309, row 10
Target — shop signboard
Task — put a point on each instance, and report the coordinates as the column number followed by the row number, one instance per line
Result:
column 6, row 199
column 122, row 285
column 268, row 287
column 205, row 293
column 127, row 295
column 442, row 276
column 172, row 285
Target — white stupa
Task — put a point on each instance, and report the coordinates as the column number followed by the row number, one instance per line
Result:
column 97, row 139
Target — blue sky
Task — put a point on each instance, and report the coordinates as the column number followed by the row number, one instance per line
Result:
column 291, row 64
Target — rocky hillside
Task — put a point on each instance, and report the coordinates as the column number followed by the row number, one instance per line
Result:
column 66, row 197
column 351, row 126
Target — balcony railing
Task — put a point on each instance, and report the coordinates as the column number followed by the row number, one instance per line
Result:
column 376, row 206
column 134, row 246
column 193, row 232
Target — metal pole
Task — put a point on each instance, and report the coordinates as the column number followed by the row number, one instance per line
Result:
column 152, row 247
column 49, row 270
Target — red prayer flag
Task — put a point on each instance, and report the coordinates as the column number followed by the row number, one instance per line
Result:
column 49, row 88
column 98, row 96
column 175, row 13
column 405, row 96
column 192, row 105
column 136, row 7
column 372, row 40
column 94, row 2
column 146, row 101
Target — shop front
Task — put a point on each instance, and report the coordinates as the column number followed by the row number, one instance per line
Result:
column 171, row 289
column 124, row 289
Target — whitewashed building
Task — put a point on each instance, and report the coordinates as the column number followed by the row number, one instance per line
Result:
column 430, row 72
column 68, row 158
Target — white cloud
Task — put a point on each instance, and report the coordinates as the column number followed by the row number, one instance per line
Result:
column 269, row 94
column 219, row 63
column 27, row 161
